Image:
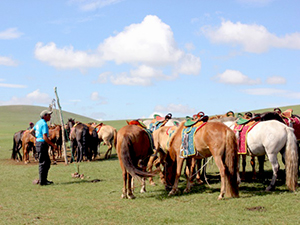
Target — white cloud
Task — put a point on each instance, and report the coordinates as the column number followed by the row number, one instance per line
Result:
column 173, row 108
column 253, row 38
column 66, row 58
column 95, row 96
column 235, row 77
column 276, row 80
column 6, row 61
column 148, row 48
column 10, row 33
column 90, row 5
column 273, row 92
column 35, row 97
column 12, row 85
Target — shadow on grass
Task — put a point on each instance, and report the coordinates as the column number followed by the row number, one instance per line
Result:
column 247, row 188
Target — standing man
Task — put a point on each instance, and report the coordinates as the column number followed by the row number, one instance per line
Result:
column 42, row 145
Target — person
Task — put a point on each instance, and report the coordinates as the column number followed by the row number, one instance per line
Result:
column 41, row 132
column 31, row 125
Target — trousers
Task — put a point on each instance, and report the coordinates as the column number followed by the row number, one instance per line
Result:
column 44, row 161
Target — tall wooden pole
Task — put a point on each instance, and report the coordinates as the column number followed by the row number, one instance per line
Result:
column 62, row 126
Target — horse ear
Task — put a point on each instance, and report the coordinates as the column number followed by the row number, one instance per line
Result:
column 127, row 122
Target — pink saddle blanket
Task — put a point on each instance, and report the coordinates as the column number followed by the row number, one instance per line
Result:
column 242, row 140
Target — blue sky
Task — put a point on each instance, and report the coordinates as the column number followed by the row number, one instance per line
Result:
column 126, row 59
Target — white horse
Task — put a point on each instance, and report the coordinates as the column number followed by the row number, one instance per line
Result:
column 270, row 138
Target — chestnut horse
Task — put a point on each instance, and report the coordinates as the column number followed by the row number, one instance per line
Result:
column 212, row 139
column 55, row 136
column 17, row 145
column 28, row 143
column 134, row 148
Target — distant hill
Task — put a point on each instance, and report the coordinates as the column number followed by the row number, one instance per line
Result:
column 18, row 117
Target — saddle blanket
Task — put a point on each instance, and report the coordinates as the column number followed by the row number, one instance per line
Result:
column 154, row 126
column 187, row 140
column 242, row 140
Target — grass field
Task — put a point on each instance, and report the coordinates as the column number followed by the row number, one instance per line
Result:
column 82, row 201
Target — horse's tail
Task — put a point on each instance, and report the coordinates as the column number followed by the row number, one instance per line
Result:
column 125, row 156
column 231, row 164
column 291, row 160
column 115, row 138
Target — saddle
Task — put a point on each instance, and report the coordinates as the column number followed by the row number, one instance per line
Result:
column 138, row 123
column 196, row 118
column 159, row 121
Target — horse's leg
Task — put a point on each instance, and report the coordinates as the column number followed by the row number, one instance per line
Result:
column 109, row 149
column 219, row 163
column 178, row 173
column 200, row 177
column 275, row 167
column 190, row 168
column 150, row 165
column 244, row 167
column 143, row 189
column 252, row 162
column 261, row 161
column 130, row 187
column 79, row 151
column 124, row 190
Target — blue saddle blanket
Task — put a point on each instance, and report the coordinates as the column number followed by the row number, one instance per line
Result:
column 187, row 142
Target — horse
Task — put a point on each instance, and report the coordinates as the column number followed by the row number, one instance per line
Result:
column 55, row 136
column 271, row 137
column 17, row 145
column 133, row 145
column 212, row 139
column 79, row 137
column 106, row 134
column 28, row 143
column 161, row 140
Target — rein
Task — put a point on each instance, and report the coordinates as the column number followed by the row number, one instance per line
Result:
column 204, row 173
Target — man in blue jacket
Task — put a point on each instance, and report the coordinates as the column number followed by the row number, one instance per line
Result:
column 41, row 132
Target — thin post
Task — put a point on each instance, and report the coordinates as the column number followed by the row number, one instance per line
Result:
column 63, row 127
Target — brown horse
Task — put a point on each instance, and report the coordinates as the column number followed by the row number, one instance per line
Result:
column 106, row 134
column 134, row 149
column 213, row 139
column 17, row 145
column 55, row 136
column 28, row 143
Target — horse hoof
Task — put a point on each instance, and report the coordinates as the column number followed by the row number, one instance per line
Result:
column 173, row 192
column 123, row 196
column 220, row 197
column 131, row 196
column 186, row 190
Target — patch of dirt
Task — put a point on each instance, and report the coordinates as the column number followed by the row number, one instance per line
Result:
column 257, row 208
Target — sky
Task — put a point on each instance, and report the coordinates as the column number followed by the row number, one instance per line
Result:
column 130, row 59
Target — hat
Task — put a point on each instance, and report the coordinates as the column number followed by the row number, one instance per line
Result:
column 45, row 112
column 31, row 123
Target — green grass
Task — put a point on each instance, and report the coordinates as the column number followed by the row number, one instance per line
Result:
column 80, row 201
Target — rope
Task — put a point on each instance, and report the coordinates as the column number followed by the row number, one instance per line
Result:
column 204, row 173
